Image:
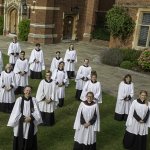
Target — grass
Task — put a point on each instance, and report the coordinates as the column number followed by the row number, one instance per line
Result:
column 60, row 136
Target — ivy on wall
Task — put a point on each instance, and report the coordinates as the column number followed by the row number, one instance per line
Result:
column 119, row 23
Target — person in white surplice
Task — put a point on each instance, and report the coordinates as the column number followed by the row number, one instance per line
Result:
column 137, row 123
column 24, row 119
column 55, row 62
column 83, row 75
column 70, row 60
column 92, row 86
column 124, row 98
column 13, row 51
column 7, row 87
column 1, row 62
column 47, row 99
column 36, row 62
column 61, row 79
column 21, row 73
column 86, row 124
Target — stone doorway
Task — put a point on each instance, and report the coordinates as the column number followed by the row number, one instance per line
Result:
column 13, row 21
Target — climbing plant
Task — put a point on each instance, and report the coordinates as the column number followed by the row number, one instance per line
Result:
column 119, row 23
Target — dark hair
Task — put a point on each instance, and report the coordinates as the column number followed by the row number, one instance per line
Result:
column 93, row 73
column 72, row 47
column 48, row 71
column 37, row 44
column 27, row 86
column 86, row 59
column 61, row 62
column 144, row 91
column 126, row 76
column 22, row 52
column 90, row 93
column 58, row 52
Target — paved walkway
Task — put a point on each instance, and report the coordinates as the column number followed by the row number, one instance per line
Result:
column 109, row 76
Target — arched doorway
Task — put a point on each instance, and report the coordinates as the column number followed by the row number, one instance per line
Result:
column 68, row 27
column 13, row 21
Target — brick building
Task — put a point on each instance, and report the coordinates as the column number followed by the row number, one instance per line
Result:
column 54, row 20
column 139, row 10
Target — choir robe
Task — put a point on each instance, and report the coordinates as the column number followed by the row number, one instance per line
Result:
column 136, row 133
column 85, row 138
column 7, row 98
column 70, row 59
column 36, row 68
column 83, row 75
column 55, row 62
column 60, row 77
column 123, row 105
column 92, row 87
column 25, row 133
column 13, row 52
column 1, row 62
column 46, row 91
column 21, row 81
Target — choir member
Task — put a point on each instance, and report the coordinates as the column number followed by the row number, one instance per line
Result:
column 13, row 51
column 137, row 124
column 70, row 59
column 124, row 98
column 1, row 62
column 87, row 123
column 36, row 62
column 61, row 79
column 25, row 118
column 56, row 60
column 83, row 75
column 7, row 87
column 92, row 86
column 47, row 99
column 21, row 73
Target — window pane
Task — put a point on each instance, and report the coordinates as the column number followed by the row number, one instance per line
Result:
column 143, row 36
column 146, row 19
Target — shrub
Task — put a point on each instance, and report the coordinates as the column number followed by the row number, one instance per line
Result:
column 112, row 57
column 126, row 64
column 115, row 57
column 101, row 33
column 24, row 27
column 1, row 24
column 119, row 23
column 144, row 60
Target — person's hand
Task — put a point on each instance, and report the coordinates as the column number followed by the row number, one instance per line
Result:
column 141, row 121
column 48, row 101
column 27, row 119
column 22, row 73
column 86, row 125
column 68, row 60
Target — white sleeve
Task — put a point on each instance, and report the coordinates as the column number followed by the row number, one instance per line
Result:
column 84, row 92
column 121, row 95
column 79, row 73
column 40, row 92
column 98, row 94
column 97, row 123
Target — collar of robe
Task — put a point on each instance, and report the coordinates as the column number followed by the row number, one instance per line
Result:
column 58, row 58
column 127, row 83
column 140, row 101
column 22, row 59
column 26, row 99
column 89, row 104
column 37, row 50
column 93, row 81
column 85, row 65
column 14, row 42
column 49, row 81
column 7, row 71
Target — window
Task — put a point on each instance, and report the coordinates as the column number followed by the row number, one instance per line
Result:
column 144, row 34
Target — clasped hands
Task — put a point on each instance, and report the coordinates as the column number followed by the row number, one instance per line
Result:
column 86, row 125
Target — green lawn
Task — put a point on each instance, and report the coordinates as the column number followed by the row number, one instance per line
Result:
column 60, row 136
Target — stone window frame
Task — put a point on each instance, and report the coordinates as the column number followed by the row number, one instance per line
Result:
column 140, row 13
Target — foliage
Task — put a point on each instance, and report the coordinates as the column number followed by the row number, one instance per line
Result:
column 24, row 28
column 126, row 64
column 1, row 24
column 101, row 33
column 115, row 57
column 144, row 60
column 119, row 23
